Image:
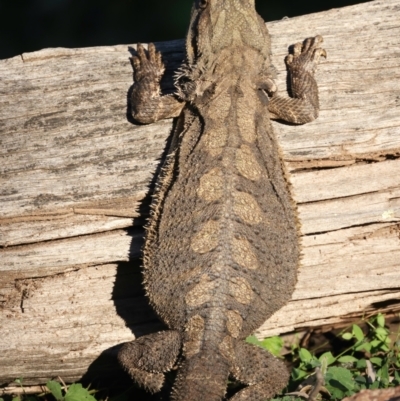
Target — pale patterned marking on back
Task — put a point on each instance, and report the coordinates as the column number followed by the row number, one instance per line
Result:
column 221, row 103
column 215, row 140
column 247, row 164
column 195, row 330
column 234, row 323
column 201, row 292
column 243, row 254
column 188, row 275
column 226, row 347
column 218, row 21
column 246, row 120
column 207, row 238
column 241, row 290
column 216, row 132
column 246, row 207
column 211, row 185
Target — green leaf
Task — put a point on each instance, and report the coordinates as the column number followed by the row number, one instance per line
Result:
column 253, row 340
column 361, row 380
column 382, row 332
column 364, row 346
column 305, row 355
column 383, row 373
column 335, row 388
column 314, row 363
column 342, row 376
column 328, row 357
column 77, row 393
column 380, row 319
column 16, row 398
column 376, row 346
column 376, row 361
column 298, row 374
column 347, row 336
column 347, row 359
column 273, row 344
column 336, row 393
column 361, row 364
column 55, row 389
column 382, row 335
column 384, row 348
column 374, row 385
column 358, row 333
column 396, row 380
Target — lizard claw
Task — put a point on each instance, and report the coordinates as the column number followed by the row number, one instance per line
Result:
column 306, row 55
column 148, row 64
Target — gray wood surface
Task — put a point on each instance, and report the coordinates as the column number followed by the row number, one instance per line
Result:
column 75, row 172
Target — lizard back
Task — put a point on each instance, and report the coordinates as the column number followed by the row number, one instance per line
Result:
column 222, row 250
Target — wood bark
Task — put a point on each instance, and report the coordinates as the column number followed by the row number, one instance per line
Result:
column 76, row 172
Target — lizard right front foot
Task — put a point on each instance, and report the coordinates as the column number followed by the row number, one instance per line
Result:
column 147, row 103
column 148, row 65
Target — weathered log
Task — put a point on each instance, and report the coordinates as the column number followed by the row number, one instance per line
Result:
column 75, row 171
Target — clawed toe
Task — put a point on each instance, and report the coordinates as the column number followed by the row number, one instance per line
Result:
column 306, row 55
column 147, row 63
column 312, row 43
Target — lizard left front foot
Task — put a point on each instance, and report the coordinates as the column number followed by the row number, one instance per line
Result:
column 306, row 55
column 301, row 64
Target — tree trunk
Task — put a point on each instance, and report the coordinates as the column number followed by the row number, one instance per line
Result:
column 75, row 172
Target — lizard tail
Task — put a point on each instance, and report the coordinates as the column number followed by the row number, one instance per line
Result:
column 203, row 377
column 207, row 356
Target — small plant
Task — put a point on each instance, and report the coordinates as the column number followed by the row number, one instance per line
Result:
column 370, row 361
column 273, row 344
column 74, row 392
column 24, row 396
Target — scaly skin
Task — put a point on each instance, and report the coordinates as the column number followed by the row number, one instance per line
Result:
column 222, row 249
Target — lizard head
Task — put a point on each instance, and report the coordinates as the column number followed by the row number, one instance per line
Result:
column 218, row 24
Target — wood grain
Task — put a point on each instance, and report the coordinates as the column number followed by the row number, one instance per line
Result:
column 76, row 172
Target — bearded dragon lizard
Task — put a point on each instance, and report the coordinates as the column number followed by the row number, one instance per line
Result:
column 222, row 245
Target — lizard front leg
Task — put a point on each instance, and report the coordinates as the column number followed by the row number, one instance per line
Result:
column 148, row 105
column 303, row 106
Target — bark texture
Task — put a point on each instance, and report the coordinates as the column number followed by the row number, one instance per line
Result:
column 75, row 172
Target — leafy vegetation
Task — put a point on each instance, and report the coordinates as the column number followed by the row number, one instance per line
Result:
column 370, row 360
column 74, row 392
